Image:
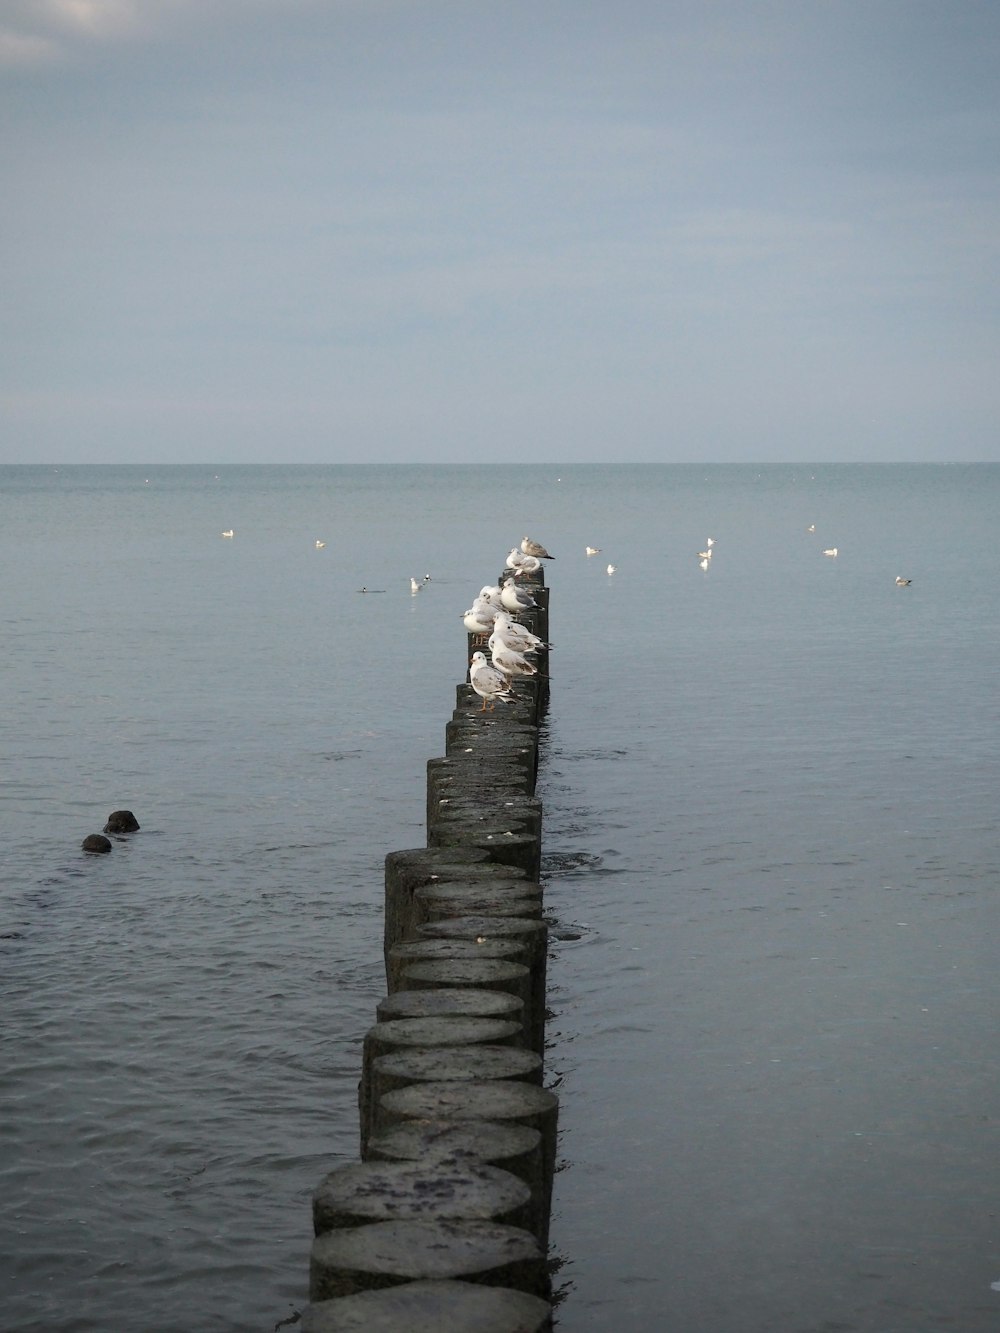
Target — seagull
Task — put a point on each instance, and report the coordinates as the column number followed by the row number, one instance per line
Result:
column 612, row 568
column 320, row 545
column 811, row 527
column 522, row 564
column 901, row 582
column 511, row 662
column 535, row 548
column 831, row 550
column 513, row 598
column 593, row 550
column 704, row 563
column 489, row 683
column 710, row 543
column 705, row 555
column 478, row 620
column 515, row 635
column 228, row 534
column 415, row 586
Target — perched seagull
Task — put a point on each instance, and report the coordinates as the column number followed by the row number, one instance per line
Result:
column 522, row 564
column 477, row 623
column 491, row 593
column 511, row 662
column 320, row 545
column 228, row 534
column 593, row 550
column 513, row 598
column 515, row 635
column 489, row 683
column 415, row 587
column 902, row 583
column 612, row 568
column 535, row 548
column 831, row 550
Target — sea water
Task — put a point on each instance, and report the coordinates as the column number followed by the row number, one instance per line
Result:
column 770, row 852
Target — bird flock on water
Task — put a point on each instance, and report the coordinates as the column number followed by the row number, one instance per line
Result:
column 527, row 558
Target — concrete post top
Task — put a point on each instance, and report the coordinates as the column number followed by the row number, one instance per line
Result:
column 430, row 1307
column 484, row 929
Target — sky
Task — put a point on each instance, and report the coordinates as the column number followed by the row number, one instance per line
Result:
column 489, row 231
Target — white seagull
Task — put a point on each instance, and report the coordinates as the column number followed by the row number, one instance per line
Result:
column 228, row 534
column 612, row 568
column 516, row 635
column 319, row 545
column 513, row 598
column 522, row 564
column 901, row 582
column 489, row 683
column 415, row 586
column 480, row 617
column 593, row 550
column 831, row 550
column 511, row 662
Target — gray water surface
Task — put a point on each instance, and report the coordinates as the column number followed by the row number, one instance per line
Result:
column 770, row 838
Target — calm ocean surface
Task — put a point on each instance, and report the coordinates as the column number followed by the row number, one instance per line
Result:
column 772, row 847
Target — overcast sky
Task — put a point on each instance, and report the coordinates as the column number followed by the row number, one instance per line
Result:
column 481, row 230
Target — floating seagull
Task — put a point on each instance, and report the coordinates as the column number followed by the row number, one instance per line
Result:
column 535, row 548
column 811, row 527
column 710, row 543
column 228, row 534
column 612, row 568
column 902, row 583
column 415, row 587
column 831, row 550
column 593, row 550
column 489, row 683
column 704, row 563
column 320, row 545
column 705, row 555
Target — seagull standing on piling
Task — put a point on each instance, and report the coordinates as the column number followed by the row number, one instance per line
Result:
column 513, row 598
column 510, row 662
column 508, row 631
column 536, row 549
column 489, row 683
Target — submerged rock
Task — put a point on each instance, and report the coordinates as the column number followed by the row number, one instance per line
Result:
column 96, row 842
column 121, row 821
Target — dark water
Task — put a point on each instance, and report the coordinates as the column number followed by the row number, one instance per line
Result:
column 770, row 796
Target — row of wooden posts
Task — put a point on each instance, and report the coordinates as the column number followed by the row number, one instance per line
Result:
column 442, row 1225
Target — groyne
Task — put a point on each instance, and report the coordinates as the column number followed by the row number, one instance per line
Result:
column 442, row 1224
